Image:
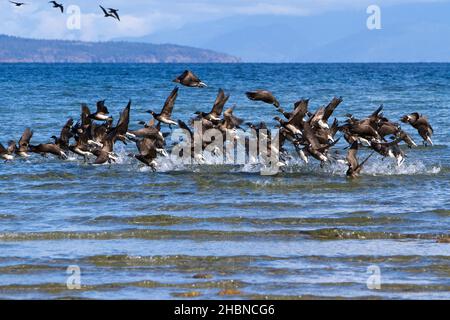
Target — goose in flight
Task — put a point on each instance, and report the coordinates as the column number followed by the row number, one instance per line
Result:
column 18, row 4
column 189, row 79
column 421, row 124
column 57, row 5
column 264, row 96
column 166, row 112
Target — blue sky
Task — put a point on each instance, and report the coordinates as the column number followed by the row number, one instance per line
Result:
column 224, row 25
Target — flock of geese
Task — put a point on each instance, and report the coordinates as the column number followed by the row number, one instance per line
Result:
column 310, row 133
column 110, row 12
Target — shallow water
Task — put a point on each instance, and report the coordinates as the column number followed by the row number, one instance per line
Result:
column 196, row 231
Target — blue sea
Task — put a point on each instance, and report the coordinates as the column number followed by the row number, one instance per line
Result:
column 121, row 231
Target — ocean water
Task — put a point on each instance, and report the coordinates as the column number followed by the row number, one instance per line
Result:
column 224, row 232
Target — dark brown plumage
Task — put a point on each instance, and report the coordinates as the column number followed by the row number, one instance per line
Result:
column 165, row 115
column 189, row 79
column 264, row 96
column 421, row 124
column 217, row 108
column 24, row 143
column 57, row 5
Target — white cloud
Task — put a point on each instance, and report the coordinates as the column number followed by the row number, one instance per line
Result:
column 143, row 17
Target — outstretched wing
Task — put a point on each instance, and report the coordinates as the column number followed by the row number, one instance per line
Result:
column 301, row 108
column 329, row 109
column 122, row 125
column 221, row 99
column 170, row 101
column 190, row 76
column 101, row 107
column 104, row 10
column 26, row 137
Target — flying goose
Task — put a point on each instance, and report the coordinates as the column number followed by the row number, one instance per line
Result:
column 107, row 14
column 147, row 152
column 264, row 96
column 149, row 130
column 217, row 109
column 166, row 111
column 296, row 119
column 421, row 124
column 18, row 4
column 102, row 112
column 57, row 5
column 189, row 79
column 114, row 12
column 51, row 148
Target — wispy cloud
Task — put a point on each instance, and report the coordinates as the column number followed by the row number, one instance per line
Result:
column 143, row 17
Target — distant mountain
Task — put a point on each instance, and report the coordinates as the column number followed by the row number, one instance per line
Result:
column 410, row 33
column 14, row 49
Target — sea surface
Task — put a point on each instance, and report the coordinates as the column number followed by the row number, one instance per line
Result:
column 216, row 231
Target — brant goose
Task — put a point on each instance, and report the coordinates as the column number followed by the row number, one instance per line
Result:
column 114, row 13
column 102, row 112
column 44, row 148
column 166, row 111
column 57, row 5
column 264, row 96
column 217, row 109
column 189, row 79
column 18, row 4
column 24, row 143
column 421, row 124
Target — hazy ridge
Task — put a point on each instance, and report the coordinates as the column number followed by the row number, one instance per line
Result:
column 14, row 49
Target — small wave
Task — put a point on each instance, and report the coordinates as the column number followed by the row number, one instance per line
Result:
column 208, row 235
column 168, row 220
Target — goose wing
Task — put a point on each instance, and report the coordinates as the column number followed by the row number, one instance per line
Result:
column 104, row 10
column 124, row 120
column 170, row 102
column 66, row 133
column 301, row 108
column 221, row 99
column 329, row 109
column 25, row 139
column 101, row 107
column 190, row 76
